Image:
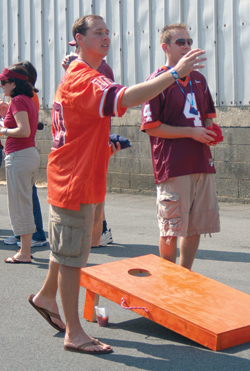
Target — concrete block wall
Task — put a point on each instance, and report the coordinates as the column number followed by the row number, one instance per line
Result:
column 130, row 170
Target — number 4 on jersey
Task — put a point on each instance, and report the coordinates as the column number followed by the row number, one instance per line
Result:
column 190, row 115
column 147, row 113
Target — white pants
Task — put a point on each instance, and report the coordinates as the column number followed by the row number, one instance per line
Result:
column 21, row 168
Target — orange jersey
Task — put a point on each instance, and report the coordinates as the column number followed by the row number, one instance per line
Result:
column 78, row 163
column 36, row 100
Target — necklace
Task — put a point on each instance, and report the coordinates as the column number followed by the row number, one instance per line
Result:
column 192, row 110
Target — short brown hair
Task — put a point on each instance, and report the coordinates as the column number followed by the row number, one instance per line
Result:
column 165, row 35
column 81, row 25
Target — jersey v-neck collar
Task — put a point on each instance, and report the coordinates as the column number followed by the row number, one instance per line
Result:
column 80, row 60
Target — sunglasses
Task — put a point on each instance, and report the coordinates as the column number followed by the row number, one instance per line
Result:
column 4, row 82
column 182, row 42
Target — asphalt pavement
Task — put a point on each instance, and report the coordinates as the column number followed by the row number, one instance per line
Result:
column 29, row 343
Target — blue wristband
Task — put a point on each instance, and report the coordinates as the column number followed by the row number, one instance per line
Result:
column 174, row 73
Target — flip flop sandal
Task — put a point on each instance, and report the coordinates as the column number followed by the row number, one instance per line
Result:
column 81, row 348
column 15, row 261
column 46, row 314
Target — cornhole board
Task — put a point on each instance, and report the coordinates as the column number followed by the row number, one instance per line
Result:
column 205, row 311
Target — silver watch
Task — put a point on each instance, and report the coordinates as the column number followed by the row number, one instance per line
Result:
column 5, row 131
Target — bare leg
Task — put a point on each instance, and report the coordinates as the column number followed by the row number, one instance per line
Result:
column 168, row 248
column 24, row 253
column 25, row 246
column 69, row 278
column 46, row 297
column 188, row 248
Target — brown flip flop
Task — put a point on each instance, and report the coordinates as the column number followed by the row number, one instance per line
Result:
column 46, row 314
column 81, row 348
column 15, row 261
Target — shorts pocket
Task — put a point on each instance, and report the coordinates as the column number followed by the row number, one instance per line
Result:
column 69, row 236
column 67, row 241
column 168, row 211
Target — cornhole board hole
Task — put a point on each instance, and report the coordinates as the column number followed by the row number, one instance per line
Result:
column 205, row 311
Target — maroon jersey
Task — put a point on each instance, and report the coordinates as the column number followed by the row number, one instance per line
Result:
column 177, row 157
column 106, row 70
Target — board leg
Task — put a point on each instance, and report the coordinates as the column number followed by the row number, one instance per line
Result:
column 91, row 300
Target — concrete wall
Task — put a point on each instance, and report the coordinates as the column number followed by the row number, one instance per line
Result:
column 130, row 170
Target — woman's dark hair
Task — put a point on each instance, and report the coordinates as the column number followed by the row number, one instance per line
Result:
column 32, row 74
column 23, row 87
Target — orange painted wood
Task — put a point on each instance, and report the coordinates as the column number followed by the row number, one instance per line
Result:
column 91, row 300
column 206, row 311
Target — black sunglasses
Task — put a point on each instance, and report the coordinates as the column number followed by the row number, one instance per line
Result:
column 4, row 82
column 182, row 42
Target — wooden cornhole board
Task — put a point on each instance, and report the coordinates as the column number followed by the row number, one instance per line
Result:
column 208, row 312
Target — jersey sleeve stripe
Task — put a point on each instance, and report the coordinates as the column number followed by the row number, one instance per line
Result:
column 117, row 102
column 210, row 115
column 151, row 125
column 101, row 107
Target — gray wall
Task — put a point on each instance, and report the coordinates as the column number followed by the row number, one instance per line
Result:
column 130, row 170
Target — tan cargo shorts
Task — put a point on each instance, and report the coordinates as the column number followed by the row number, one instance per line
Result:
column 188, row 206
column 71, row 233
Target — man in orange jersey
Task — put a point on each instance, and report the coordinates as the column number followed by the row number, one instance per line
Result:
column 77, row 169
column 102, row 235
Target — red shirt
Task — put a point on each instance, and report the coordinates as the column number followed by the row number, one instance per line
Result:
column 177, row 157
column 18, row 104
column 78, row 163
column 106, row 70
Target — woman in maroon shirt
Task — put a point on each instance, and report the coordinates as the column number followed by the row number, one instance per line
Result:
column 21, row 156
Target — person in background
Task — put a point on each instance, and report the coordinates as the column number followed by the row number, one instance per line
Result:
column 38, row 237
column 1, row 153
column 177, row 123
column 21, row 156
column 106, row 236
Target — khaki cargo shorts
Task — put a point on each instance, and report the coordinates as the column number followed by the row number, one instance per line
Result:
column 71, row 233
column 188, row 206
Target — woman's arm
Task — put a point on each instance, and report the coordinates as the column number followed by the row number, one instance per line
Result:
column 23, row 126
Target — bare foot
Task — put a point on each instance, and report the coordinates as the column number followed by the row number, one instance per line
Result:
column 50, row 305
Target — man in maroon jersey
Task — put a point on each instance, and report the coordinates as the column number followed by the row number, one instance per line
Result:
column 176, row 122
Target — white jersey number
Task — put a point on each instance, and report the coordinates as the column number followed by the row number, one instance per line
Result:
column 190, row 115
column 147, row 113
column 58, row 126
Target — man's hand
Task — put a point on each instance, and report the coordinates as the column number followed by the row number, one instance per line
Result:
column 115, row 147
column 190, row 62
column 68, row 59
column 203, row 135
